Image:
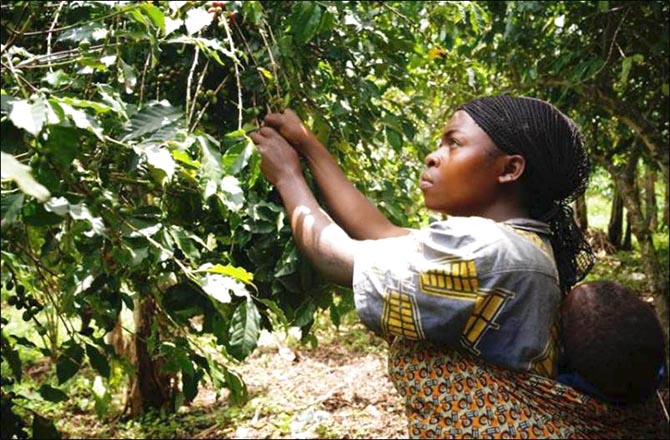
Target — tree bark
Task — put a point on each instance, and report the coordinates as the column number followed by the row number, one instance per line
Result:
column 615, row 226
column 650, row 205
column 666, row 205
column 627, row 244
column 581, row 213
column 150, row 388
column 656, row 278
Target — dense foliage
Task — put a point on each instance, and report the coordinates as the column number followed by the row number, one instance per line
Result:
column 129, row 181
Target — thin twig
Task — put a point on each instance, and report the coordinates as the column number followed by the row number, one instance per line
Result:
column 665, row 410
column 609, row 53
column 93, row 20
column 27, row 64
column 253, row 58
column 42, row 66
column 396, row 12
column 237, row 72
column 51, row 29
column 189, row 80
column 48, row 284
column 202, row 111
column 17, row 78
column 273, row 63
column 198, row 86
column 144, row 75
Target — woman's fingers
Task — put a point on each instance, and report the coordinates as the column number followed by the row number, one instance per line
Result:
column 268, row 132
column 273, row 120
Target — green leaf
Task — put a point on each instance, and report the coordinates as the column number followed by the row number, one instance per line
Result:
column 279, row 313
column 63, row 143
column 238, row 390
column 238, row 273
column 12, row 169
column 12, row 357
column 44, row 428
column 89, row 32
column 57, row 78
column 305, row 21
column 231, row 194
column 184, row 301
column 52, row 394
column 103, row 398
column 288, row 263
column 69, row 363
column 6, row 102
column 81, row 119
column 84, row 103
column 159, row 158
column 30, row 117
column 305, row 314
column 237, row 157
column 10, row 206
column 98, row 361
column 128, row 76
column 113, row 99
column 150, row 119
column 210, row 160
column 189, row 381
column 394, row 138
column 156, row 15
column 34, row 214
column 183, row 158
column 244, row 330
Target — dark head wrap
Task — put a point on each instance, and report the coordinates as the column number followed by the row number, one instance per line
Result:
column 557, row 169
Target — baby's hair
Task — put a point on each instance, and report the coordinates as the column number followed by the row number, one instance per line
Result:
column 612, row 339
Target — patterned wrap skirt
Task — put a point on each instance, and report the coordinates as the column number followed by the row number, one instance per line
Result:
column 448, row 394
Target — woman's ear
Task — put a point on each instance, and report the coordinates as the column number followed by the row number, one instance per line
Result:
column 514, row 167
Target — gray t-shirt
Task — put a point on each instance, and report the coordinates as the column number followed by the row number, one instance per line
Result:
column 467, row 283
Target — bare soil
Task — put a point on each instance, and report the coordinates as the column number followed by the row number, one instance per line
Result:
column 336, row 390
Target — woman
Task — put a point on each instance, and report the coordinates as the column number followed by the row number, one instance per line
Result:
column 470, row 304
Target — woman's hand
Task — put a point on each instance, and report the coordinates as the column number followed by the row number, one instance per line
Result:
column 279, row 161
column 291, row 127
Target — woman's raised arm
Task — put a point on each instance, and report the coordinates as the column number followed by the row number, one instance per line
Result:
column 349, row 207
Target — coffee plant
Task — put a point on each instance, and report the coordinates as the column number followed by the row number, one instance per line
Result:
column 129, row 181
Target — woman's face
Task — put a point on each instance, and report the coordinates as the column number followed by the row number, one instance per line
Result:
column 462, row 174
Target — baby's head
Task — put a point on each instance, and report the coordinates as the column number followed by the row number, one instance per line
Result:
column 613, row 340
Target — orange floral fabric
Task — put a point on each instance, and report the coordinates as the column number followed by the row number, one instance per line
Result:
column 449, row 394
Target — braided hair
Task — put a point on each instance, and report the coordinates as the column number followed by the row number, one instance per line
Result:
column 557, row 170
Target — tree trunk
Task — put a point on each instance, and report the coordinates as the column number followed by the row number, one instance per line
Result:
column 615, row 226
column 581, row 214
column 656, row 277
column 627, row 244
column 650, row 205
column 150, row 388
column 115, row 339
column 666, row 205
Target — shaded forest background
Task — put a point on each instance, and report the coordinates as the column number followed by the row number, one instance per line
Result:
column 140, row 243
